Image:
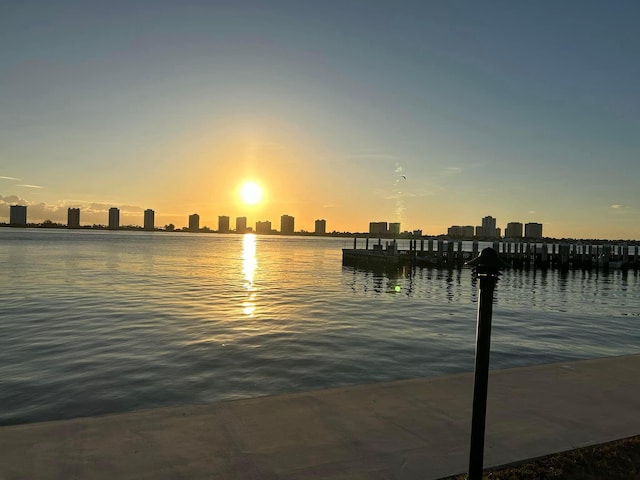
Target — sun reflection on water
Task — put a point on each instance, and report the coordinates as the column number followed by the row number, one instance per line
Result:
column 249, row 266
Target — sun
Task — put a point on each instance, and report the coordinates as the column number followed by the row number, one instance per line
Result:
column 251, row 193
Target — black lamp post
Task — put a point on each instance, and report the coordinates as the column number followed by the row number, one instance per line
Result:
column 487, row 269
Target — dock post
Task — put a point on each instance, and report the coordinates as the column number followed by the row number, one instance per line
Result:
column 564, row 256
column 355, row 240
column 440, row 251
column 422, row 246
column 460, row 254
column 487, row 269
column 366, row 244
column 474, row 249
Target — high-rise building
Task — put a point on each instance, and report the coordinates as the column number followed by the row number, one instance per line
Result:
column 533, row 230
column 149, row 219
column 194, row 223
column 263, row 227
column 18, row 216
column 467, row 231
column 461, row 232
column 394, row 228
column 488, row 227
column 114, row 218
column 73, row 218
column 223, row 224
column 321, row 227
column 286, row 224
column 454, row 231
column 378, row 228
column 241, row 224
column 513, row 230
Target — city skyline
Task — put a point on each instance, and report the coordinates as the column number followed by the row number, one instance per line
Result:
column 488, row 229
column 420, row 113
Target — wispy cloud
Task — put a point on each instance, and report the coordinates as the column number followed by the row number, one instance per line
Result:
column 532, row 211
column 9, row 178
column 29, row 186
column 617, row 206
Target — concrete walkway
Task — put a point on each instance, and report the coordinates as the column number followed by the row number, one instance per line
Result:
column 416, row 429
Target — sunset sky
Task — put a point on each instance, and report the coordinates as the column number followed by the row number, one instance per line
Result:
column 430, row 113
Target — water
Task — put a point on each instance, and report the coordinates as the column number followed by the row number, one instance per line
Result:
column 95, row 322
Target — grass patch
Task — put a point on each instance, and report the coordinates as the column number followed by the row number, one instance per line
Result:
column 619, row 460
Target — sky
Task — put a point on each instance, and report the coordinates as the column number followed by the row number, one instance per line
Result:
column 428, row 113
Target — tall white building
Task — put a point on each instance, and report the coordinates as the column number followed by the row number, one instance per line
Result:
column 223, row 224
column 394, row 228
column 241, row 224
column 488, row 228
column 513, row 230
column 287, row 224
column 149, row 219
column 73, row 218
column 533, row 230
column 194, row 222
column 114, row 218
column 18, row 215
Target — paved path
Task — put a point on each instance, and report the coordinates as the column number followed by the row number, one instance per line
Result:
column 416, row 429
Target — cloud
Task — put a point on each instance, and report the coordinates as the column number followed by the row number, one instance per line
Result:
column 617, row 206
column 12, row 200
column 532, row 211
column 29, row 186
column 9, row 178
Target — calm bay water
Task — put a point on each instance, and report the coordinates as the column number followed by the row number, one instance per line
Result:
column 95, row 322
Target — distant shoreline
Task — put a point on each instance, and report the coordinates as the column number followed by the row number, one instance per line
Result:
column 404, row 235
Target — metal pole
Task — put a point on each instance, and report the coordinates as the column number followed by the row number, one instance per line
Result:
column 487, row 267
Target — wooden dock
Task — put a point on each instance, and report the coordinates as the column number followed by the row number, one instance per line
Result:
column 440, row 253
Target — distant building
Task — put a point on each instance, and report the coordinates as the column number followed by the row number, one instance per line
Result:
column 114, row 218
column 488, row 228
column 467, row 231
column 18, row 216
column 241, row 224
column 513, row 230
column 533, row 230
column 194, row 223
column 321, row 227
column 457, row 231
column 223, row 224
column 454, row 231
column 263, row 227
column 378, row 228
column 149, row 219
column 73, row 218
column 394, row 228
column 286, row 224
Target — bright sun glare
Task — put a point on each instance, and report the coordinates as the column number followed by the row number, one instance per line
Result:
column 251, row 193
